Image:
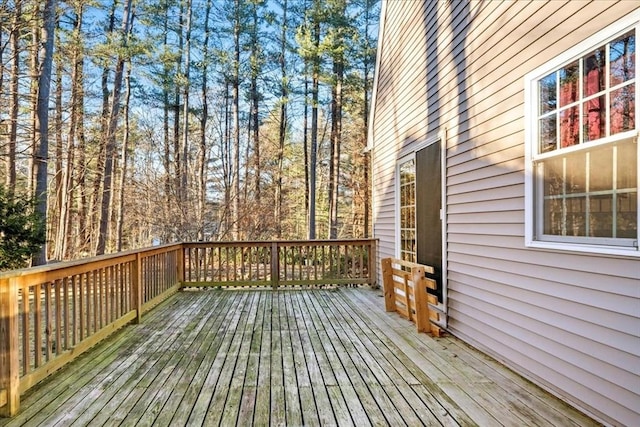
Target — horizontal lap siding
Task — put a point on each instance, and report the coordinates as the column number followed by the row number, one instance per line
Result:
column 570, row 322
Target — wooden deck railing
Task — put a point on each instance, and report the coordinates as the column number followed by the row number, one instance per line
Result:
column 406, row 292
column 281, row 263
column 49, row 315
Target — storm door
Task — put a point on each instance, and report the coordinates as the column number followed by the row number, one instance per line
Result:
column 428, row 202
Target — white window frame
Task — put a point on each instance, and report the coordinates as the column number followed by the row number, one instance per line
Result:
column 398, row 227
column 532, row 202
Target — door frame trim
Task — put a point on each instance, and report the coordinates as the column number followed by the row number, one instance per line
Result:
column 409, row 153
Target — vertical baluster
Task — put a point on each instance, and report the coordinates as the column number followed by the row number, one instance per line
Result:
column 74, row 294
column 108, row 294
column 65, row 299
column 323, row 262
column 96, row 309
column 235, row 263
column 26, row 333
column 48, row 320
column 37, row 325
column 58, row 301
column 249, row 260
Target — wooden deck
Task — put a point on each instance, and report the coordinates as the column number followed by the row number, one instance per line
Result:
column 286, row 357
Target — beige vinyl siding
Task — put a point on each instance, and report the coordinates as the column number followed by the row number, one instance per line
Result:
column 568, row 321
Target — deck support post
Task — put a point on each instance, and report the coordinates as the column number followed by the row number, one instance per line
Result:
column 9, row 347
column 275, row 265
column 387, row 282
column 136, row 288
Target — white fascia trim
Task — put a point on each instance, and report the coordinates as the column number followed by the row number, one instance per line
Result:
column 376, row 72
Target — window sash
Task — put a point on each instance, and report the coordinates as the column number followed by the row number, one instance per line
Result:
column 535, row 233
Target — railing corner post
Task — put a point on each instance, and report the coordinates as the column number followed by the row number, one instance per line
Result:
column 421, row 301
column 9, row 368
column 373, row 263
column 181, row 262
column 275, row 265
column 387, row 284
column 137, row 288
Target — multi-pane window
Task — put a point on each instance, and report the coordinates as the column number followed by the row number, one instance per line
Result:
column 407, row 210
column 584, row 157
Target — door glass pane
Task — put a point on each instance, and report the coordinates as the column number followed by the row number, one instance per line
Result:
column 407, row 210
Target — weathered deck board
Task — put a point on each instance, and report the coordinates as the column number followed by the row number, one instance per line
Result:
column 287, row 357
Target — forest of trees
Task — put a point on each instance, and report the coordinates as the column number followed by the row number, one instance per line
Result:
column 139, row 122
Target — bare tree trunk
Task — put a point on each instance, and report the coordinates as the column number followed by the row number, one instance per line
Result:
column 236, row 122
column 58, row 211
column 177, row 152
column 185, row 108
column 314, row 128
column 110, row 137
column 305, row 146
column 125, row 157
column 255, row 99
column 202, row 152
column 42, row 122
column 96, row 207
column 336, row 137
column 33, row 91
column 13, row 98
column 165, row 117
column 227, row 156
column 282, row 131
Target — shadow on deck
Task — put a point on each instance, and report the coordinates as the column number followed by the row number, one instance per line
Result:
column 285, row 357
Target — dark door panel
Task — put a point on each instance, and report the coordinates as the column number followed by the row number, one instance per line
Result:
column 428, row 207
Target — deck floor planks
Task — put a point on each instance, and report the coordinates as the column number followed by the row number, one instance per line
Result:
column 109, row 382
column 481, row 382
column 121, row 402
column 152, row 388
column 289, row 357
column 293, row 411
column 391, row 378
column 307, row 400
column 262, row 410
column 362, row 403
column 225, row 403
column 219, row 329
column 57, row 389
column 190, row 382
column 214, row 371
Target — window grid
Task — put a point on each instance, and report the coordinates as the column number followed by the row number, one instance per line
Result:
column 557, row 112
column 407, row 221
column 597, row 92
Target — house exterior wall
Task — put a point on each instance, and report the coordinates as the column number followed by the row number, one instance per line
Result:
column 568, row 321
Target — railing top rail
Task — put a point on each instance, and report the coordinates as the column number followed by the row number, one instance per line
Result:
column 88, row 263
column 429, row 269
column 280, row 242
column 46, row 271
